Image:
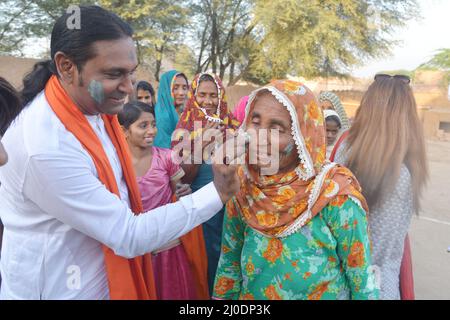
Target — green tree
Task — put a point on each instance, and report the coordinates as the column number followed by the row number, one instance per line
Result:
column 243, row 39
column 326, row 38
column 262, row 39
column 21, row 20
column 158, row 26
column 223, row 27
column 184, row 60
column 440, row 61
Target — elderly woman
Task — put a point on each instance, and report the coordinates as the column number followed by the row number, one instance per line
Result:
column 333, row 129
column 300, row 233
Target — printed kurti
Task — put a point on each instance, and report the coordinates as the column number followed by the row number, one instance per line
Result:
column 328, row 258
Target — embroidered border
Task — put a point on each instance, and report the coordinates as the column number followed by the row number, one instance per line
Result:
column 304, row 157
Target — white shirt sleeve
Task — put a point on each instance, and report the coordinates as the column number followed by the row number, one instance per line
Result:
column 64, row 186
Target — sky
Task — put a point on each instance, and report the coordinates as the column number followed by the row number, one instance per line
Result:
column 420, row 39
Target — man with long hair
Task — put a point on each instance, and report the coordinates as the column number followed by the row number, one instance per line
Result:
column 69, row 199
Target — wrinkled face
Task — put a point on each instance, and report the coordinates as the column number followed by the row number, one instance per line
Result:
column 332, row 131
column 207, row 96
column 179, row 90
column 107, row 79
column 144, row 96
column 3, row 154
column 142, row 132
column 266, row 116
column 325, row 105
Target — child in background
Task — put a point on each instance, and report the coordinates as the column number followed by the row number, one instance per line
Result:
column 333, row 129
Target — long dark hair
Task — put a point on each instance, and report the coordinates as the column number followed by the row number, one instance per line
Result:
column 96, row 24
column 10, row 105
column 132, row 111
column 146, row 86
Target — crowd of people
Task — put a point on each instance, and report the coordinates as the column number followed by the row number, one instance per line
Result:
column 110, row 189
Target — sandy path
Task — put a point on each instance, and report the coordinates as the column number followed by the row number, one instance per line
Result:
column 430, row 231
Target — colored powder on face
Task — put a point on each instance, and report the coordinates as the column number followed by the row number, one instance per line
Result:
column 96, row 91
column 288, row 150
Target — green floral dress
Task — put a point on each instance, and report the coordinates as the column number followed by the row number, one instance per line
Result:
column 328, row 258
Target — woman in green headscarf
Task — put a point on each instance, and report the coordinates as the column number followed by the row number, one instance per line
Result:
column 172, row 93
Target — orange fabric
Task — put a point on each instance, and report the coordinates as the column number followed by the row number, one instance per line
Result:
column 127, row 278
column 194, row 245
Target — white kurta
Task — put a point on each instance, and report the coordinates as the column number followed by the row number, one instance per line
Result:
column 57, row 213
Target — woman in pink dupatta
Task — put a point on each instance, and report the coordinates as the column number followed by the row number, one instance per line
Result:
column 158, row 179
column 239, row 110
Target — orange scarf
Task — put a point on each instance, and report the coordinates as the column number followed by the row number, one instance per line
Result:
column 127, row 278
column 194, row 245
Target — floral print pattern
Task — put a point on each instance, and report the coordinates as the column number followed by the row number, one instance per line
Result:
column 328, row 258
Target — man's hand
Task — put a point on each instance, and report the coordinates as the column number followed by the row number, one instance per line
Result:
column 225, row 164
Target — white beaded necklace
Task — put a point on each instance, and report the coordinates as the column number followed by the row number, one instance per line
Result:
column 209, row 118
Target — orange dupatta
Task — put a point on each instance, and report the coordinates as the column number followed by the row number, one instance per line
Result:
column 194, row 245
column 127, row 278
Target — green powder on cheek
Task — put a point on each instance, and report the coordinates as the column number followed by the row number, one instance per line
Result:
column 96, row 91
column 288, row 150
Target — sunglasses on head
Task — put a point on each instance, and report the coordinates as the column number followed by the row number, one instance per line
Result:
column 403, row 78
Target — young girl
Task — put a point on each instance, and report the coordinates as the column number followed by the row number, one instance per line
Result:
column 145, row 92
column 333, row 129
column 179, row 267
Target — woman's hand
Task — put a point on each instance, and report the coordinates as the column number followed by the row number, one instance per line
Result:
column 182, row 190
column 205, row 142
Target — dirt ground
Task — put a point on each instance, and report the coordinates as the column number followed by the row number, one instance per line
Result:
column 430, row 231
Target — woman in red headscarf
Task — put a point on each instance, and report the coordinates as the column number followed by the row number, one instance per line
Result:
column 206, row 115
